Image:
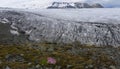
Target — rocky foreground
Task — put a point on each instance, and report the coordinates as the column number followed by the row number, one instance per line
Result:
column 57, row 56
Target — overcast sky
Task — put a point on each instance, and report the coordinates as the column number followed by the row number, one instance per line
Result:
column 15, row 3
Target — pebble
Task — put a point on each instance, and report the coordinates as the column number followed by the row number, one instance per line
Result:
column 112, row 67
column 21, row 54
column 69, row 66
column 42, row 48
column 7, row 67
column 37, row 66
column 29, row 63
column 14, row 58
column 89, row 66
column 51, row 49
column 0, row 62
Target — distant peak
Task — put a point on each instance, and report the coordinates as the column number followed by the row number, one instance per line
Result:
column 59, row 5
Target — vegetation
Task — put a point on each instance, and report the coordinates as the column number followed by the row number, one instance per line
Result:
column 55, row 56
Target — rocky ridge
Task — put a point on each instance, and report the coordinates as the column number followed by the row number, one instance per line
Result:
column 61, row 5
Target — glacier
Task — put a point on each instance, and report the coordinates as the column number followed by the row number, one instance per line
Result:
column 100, row 27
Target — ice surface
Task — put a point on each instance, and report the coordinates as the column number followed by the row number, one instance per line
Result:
column 105, row 15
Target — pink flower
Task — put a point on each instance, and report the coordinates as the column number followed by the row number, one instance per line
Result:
column 51, row 60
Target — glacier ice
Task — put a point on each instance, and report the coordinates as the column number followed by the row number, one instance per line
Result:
column 45, row 26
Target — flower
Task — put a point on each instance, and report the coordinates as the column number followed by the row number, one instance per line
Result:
column 51, row 60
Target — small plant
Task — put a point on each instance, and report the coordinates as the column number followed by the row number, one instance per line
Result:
column 51, row 60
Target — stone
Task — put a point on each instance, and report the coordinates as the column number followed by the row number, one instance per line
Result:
column 69, row 66
column 7, row 67
column 43, row 49
column 14, row 58
column 38, row 66
column 0, row 62
column 112, row 67
column 29, row 63
column 89, row 67
column 21, row 54
column 51, row 49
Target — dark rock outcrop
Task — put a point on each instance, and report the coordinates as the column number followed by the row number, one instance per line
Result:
column 82, row 5
column 62, row 5
column 97, row 5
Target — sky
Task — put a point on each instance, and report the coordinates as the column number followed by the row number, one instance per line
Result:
column 44, row 3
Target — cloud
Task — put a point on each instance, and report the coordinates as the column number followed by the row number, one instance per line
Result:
column 24, row 3
column 112, row 3
column 69, row 0
column 106, row 3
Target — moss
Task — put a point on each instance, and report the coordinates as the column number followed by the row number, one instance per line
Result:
column 14, row 65
column 32, row 54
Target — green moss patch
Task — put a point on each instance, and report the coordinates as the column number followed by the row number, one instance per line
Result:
column 67, row 57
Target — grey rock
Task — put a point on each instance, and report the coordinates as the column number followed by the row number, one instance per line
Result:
column 51, row 49
column 29, row 63
column 89, row 67
column 57, row 67
column 38, row 66
column 14, row 58
column 0, row 62
column 42, row 48
column 7, row 67
column 21, row 54
column 112, row 67
column 69, row 66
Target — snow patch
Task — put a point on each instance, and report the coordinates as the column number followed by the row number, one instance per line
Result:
column 14, row 32
column 4, row 20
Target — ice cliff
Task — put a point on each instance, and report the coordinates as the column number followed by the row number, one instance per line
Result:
column 41, row 27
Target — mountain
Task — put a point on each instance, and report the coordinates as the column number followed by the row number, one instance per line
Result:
column 62, row 5
column 38, row 4
column 74, row 5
